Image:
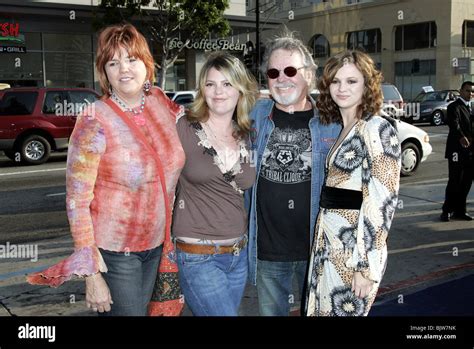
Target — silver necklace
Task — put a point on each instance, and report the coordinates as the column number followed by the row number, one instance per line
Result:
column 222, row 138
column 222, row 144
column 126, row 107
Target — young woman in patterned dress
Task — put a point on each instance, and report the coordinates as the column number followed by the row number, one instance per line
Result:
column 360, row 193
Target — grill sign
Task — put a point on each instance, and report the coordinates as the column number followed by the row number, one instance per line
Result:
column 10, row 29
column 12, row 49
column 11, row 41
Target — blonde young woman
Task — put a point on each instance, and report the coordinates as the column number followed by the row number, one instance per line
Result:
column 210, row 220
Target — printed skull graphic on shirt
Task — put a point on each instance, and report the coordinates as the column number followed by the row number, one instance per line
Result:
column 287, row 157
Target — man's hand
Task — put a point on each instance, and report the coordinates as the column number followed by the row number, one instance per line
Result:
column 97, row 293
column 360, row 285
column 464, row 142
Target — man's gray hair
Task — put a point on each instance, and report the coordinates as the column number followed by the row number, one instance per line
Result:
column 286, row 40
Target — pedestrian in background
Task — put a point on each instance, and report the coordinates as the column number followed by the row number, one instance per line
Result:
column 359, row 196
column 118, row 196
column 210, row 220
column 460, row 155
column 291, row 145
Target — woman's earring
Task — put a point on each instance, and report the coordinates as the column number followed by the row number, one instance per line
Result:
column 110, row 90
column 147, row 86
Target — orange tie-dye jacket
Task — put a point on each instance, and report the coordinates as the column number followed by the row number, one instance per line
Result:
column 114, row 199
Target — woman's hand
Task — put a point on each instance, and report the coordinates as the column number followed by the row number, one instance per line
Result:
column 97, row 293
column 360, row 285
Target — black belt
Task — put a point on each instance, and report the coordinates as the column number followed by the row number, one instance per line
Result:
column 337, row 198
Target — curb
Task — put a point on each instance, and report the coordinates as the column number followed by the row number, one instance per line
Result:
column 383, row 291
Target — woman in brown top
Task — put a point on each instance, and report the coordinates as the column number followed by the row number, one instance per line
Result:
column 209, row 219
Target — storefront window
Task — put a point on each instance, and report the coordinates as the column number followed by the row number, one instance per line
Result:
column 68, row 60
column 33, row 41
column 68, row 42
column 69, row 69
column 175, row 75
column 21, row 69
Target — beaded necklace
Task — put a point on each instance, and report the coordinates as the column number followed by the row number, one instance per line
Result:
column 137, row 114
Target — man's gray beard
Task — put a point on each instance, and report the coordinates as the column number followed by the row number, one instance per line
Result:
column 286, row 100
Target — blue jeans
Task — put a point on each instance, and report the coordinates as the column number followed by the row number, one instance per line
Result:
column 275, row 286
column 130, row 278
column 213, row 284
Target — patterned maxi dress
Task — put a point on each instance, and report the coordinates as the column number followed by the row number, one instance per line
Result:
column 367, row 160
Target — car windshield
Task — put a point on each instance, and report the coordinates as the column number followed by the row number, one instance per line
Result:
column 170, row 94
column 390, row 93
column 420, row 98
column 431, row 97
column 184, row 99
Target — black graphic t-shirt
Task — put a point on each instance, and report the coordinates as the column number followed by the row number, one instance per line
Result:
column 284, row 190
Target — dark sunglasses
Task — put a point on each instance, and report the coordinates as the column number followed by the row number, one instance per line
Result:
column 289, row 71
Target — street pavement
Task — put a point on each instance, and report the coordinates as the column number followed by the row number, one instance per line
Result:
column 411, row 285
column 453, row 298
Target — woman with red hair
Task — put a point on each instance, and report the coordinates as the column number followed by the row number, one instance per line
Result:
column 123, row 164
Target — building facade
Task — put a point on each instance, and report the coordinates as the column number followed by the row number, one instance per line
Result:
column 53, row 43
column 415, row 43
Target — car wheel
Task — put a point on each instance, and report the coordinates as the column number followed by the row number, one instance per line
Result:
column 410, row 158
column 437, row 118
column 35, row 150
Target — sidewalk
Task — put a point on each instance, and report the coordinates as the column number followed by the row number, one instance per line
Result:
column 444, row 292
column 430, row 269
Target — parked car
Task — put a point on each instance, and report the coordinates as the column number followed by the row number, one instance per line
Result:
column 434, row 106
column 36, row 120
column 415, row 144
column 182, row 97
column 393, row 104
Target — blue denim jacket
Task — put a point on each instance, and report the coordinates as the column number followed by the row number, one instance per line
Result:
column 322, row 138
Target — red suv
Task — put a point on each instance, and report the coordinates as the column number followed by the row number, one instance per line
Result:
column 36, row 120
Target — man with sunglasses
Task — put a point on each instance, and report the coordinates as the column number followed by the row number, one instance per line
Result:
column 460, row 155
column 290, row 146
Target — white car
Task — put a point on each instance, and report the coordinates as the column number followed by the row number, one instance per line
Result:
column 393, row 104
column 182, row 97
column 415, row 145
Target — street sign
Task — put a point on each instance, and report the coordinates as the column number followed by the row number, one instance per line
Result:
column 427, row 89
column 464, row 66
